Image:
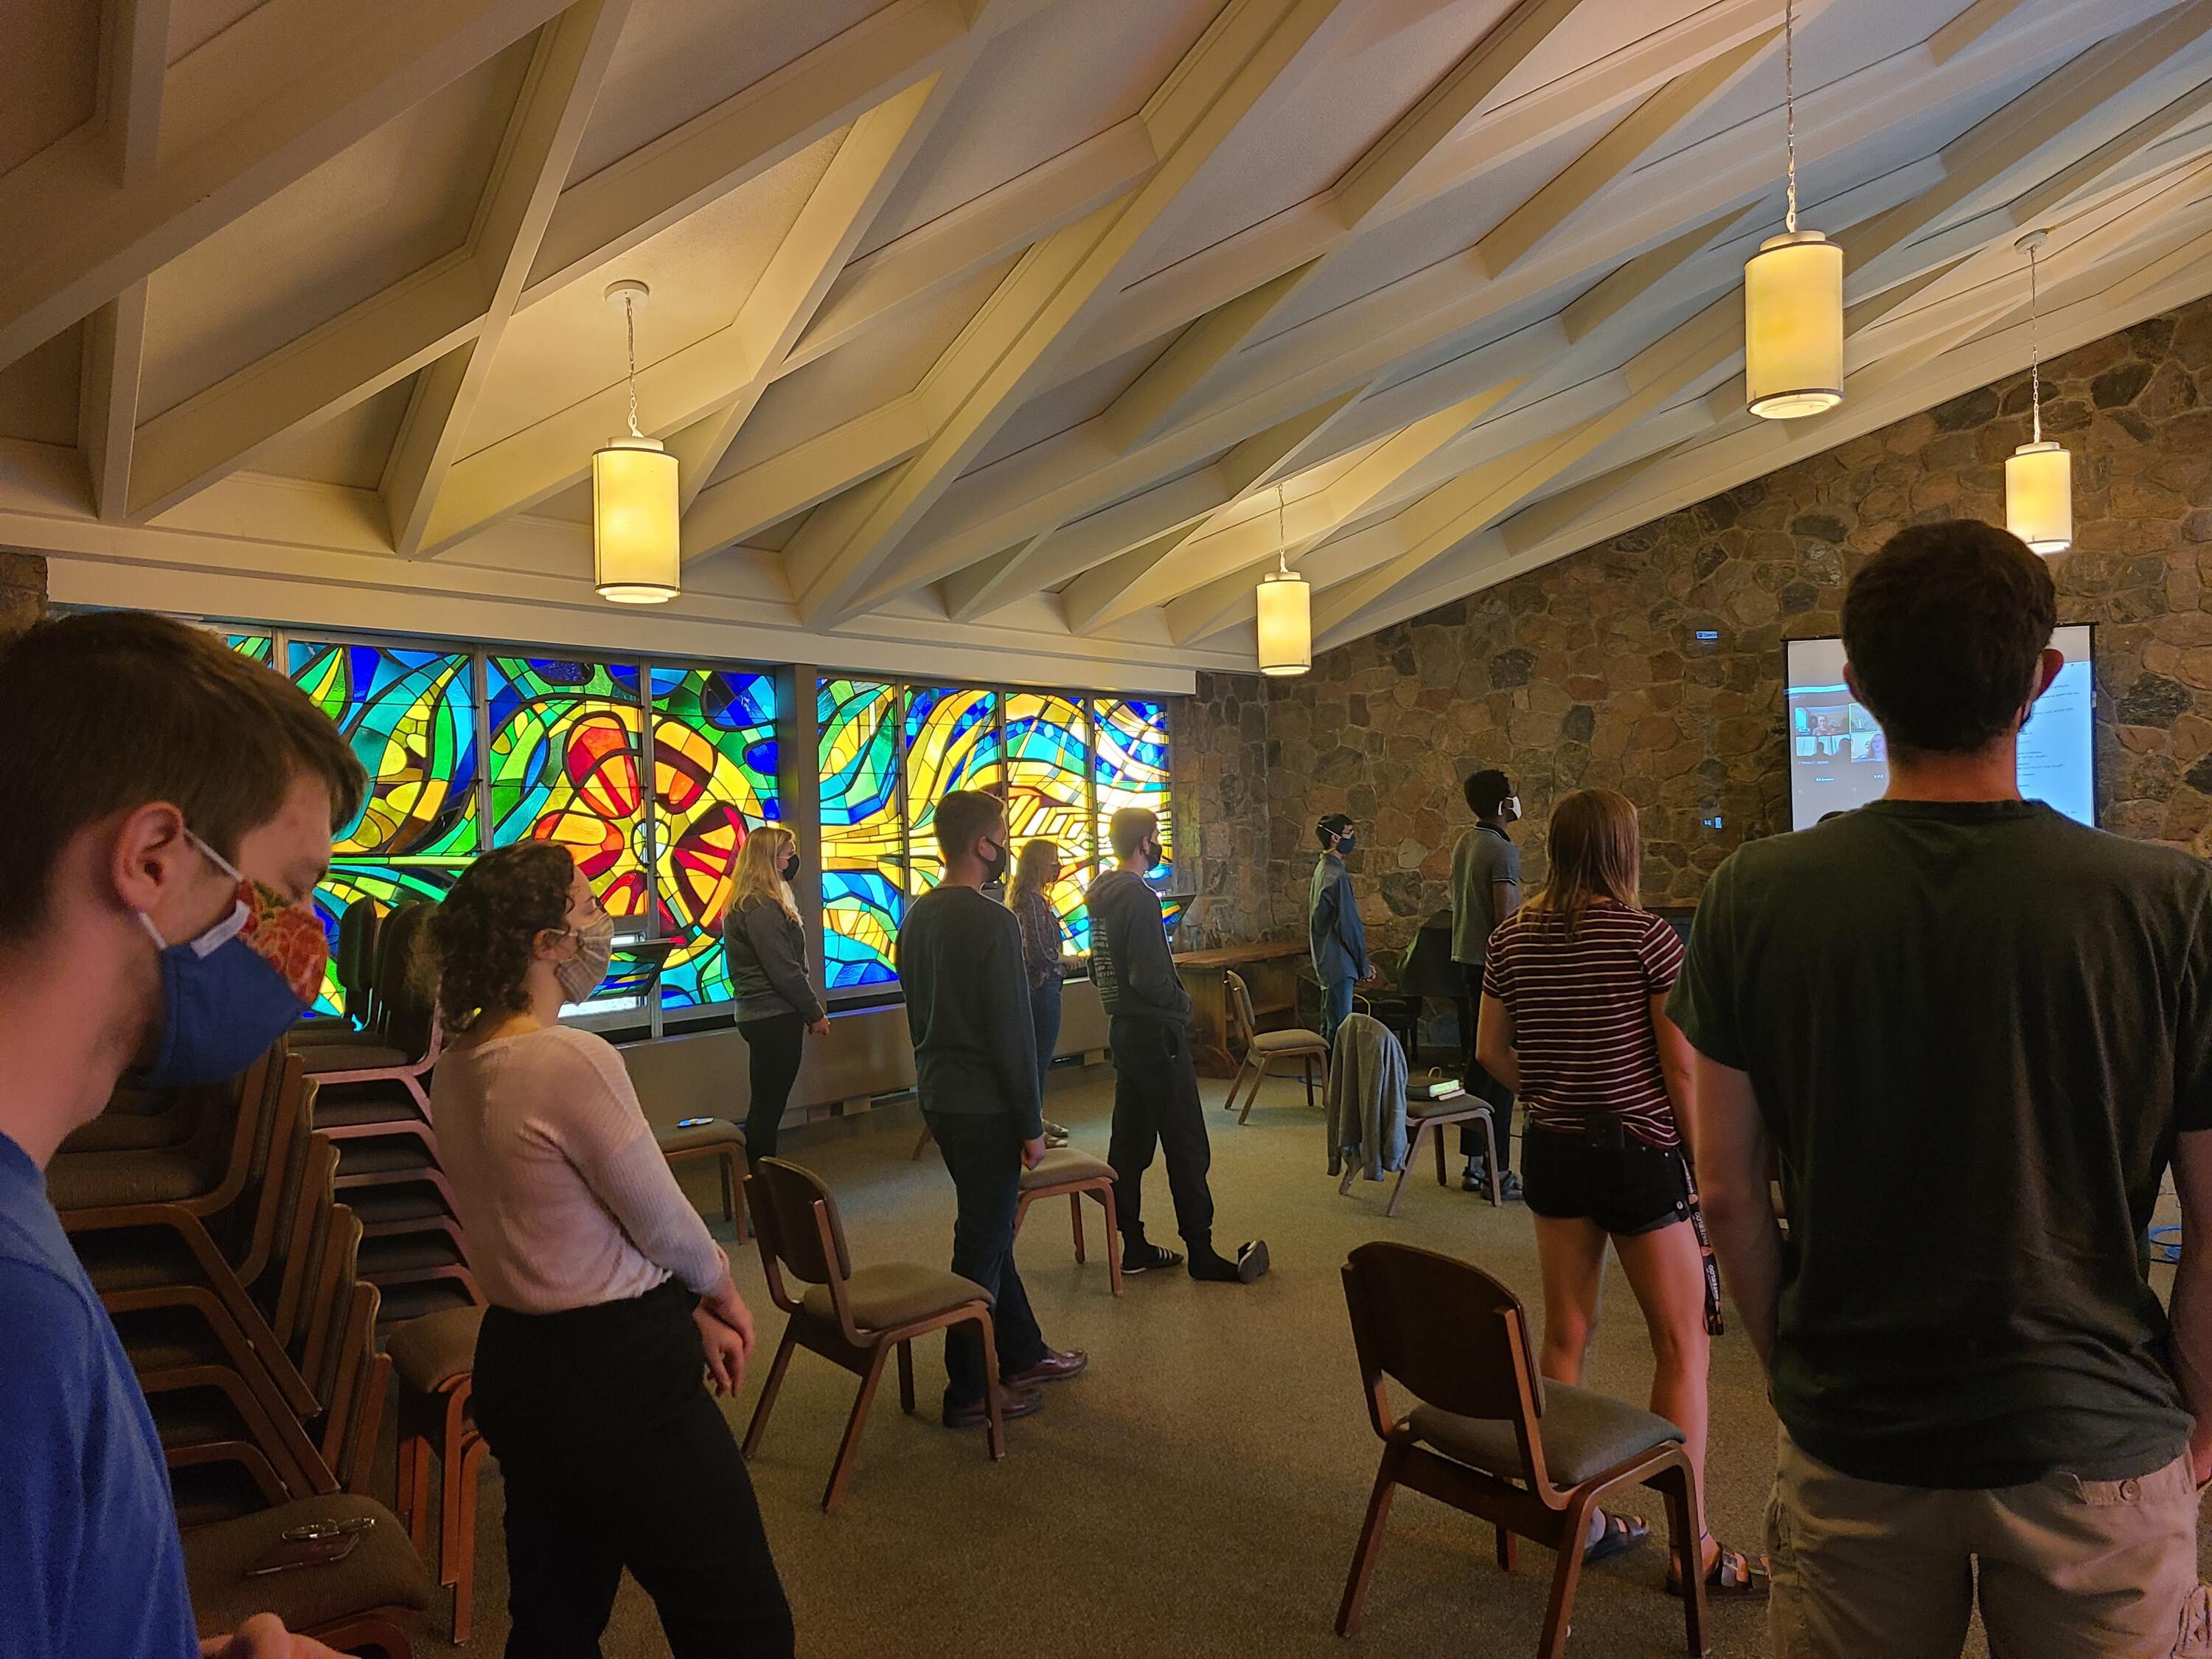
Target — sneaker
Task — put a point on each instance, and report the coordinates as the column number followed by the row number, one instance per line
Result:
column 1143, row 1258
column 1054, row 1134
column 1012, row 1403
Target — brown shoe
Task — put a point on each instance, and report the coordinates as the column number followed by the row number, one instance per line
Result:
column 1054, row 1367
column 1012, row 1403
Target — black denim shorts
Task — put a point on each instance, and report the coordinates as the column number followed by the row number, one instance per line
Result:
column 1604, row 1175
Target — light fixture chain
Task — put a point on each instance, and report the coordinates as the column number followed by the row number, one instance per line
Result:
column 1282, row 536
column 2034, row 350
column 1789, row 104
column 630, row 328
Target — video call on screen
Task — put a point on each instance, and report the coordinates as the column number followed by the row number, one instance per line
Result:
column 1837, row 758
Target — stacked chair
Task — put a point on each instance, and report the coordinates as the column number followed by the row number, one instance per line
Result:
column 372, row 1102
column 208, row 1221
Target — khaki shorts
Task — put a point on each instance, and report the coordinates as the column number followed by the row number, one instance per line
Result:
column 2069, row 1569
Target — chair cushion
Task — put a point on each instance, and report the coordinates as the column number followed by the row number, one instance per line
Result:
column 429, row 1352
column 98, row 1180
column 382, row 1572
column 714, row 1132
column 1291, row 1043
column 1583, row 1433
column 1063, row 1166
column 1449, row 1106
column 895, row 1293
column 320, row 1058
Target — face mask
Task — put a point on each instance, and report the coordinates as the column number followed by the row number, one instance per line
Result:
column 994, row 864
column 595, row 948
column 1513, row 806
column 230, row 993
column 1153, row 854
column 789, row 868
column 1346, row 841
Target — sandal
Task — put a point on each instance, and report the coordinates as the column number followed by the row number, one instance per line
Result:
column 1621, row 1532
column 1733, row 1576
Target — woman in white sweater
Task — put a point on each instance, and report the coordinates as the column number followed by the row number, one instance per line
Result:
column 610, row 1300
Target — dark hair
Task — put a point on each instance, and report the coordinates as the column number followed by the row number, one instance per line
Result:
column 963, row 815
column 1485, row 792
column 487, row 929
column 112, row 710
column 1596, row 850
column 1943, row 629
column 1331, row 827
column 1131, row 828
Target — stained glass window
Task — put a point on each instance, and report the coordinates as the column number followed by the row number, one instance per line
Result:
column 1047, row 746
column 863, row 844
column 1132, row 770
column 714, row 769
column 260, row 646
column 951, row 743
column 410, row 717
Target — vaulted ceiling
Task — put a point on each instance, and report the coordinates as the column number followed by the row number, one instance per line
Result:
column 1012, row 333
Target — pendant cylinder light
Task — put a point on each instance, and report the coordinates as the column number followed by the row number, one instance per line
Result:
column 1793, row 296
column 2039, row 474
column 1285, row 612
column 636, row 535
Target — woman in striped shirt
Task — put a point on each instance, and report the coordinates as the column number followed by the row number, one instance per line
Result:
column 1574, row 1023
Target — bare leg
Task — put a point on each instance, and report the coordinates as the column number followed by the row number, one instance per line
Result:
column 1668, row 1274
column 1572, row 1256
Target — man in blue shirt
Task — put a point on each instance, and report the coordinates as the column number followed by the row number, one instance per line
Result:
column 1334, row 933
column 164, row 792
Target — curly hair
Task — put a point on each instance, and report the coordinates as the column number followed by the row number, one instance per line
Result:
column 486, row 927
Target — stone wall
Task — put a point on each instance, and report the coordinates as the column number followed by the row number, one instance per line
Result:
column 22, row 590
column 1221, row 762
column 1591, row 671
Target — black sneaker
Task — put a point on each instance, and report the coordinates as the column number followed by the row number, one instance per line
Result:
column 1143, row 1258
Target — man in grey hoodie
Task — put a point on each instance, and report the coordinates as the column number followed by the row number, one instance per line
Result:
column 1156, row 1086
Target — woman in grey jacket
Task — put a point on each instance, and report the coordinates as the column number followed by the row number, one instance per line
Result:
column 776, row 1003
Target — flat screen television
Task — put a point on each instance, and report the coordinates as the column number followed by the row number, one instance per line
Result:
column 1837, row 759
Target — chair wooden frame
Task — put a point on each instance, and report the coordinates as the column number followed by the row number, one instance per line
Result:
column 1530, row 1506
column 1431, row 1125
column 1257, row 1066
column 437, row 1422
column 1099, row 1187
column 726, row 1153
column 818, row 1257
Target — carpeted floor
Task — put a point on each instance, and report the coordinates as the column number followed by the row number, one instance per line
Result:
column 1197, row 1493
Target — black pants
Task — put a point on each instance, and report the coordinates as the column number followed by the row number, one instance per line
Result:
column 1156, row 1102
column 774, row 1046
column 1480, row 1082
column 983, row 1156
column 1044, row 1024
column 615, row 1455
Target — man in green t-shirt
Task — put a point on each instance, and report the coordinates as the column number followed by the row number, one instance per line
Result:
column 1971, row 1033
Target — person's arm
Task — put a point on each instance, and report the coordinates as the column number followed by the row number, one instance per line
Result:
column 2190, row 1305
column 1493, row 1042
column 1323, row 923
column 602, row 1134
column 1733, row 1152
column 1146, row 962
column 1677, row 1061
column 781, row 953
column 263, row 1637
column 1504, row 899
column 1003, row 979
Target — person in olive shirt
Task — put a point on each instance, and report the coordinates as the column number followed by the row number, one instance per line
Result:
column 1973, row 1031
column 1334, row 932
column 1155, row 1084
column 974, row 1059
column 1486, row 889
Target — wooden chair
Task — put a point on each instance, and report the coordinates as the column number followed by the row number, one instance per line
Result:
column 435, row 1358
column 1263, row 1050
column 404, row 1012
column 1487, row 1435
column 1428, row 1119
column 1067, row 1173
column 852, row 1318
column 716, row 1138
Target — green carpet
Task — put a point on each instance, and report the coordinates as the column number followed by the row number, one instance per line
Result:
column 1198, row 1492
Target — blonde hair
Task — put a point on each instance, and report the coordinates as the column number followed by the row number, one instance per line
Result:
column 1035, row 858
column 760, row 869
column 1597, row 851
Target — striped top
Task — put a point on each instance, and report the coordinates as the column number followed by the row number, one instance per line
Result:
column 1582, row 1015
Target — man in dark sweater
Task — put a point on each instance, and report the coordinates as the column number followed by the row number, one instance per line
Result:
column 1156, row 1086
column 967, row 1007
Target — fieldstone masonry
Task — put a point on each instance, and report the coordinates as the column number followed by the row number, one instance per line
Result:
column 22, row 591
column 1591, row 671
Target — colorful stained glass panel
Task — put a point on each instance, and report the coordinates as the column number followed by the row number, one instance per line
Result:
column 714, row 769
column 951, row 743
column 1133, row 770
column 863, row 843
column 1047, row 746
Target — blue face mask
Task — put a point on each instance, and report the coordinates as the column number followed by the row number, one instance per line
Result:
column 229, row 993
column 1346, row 841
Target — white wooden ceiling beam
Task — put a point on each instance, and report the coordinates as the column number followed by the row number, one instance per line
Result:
column 1166, row 392
column 1000, row 359
column 716, row 379
column 744, row 502
column 535, row 155
column 134, row 52
column 1969, row 26
column 233, row 133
